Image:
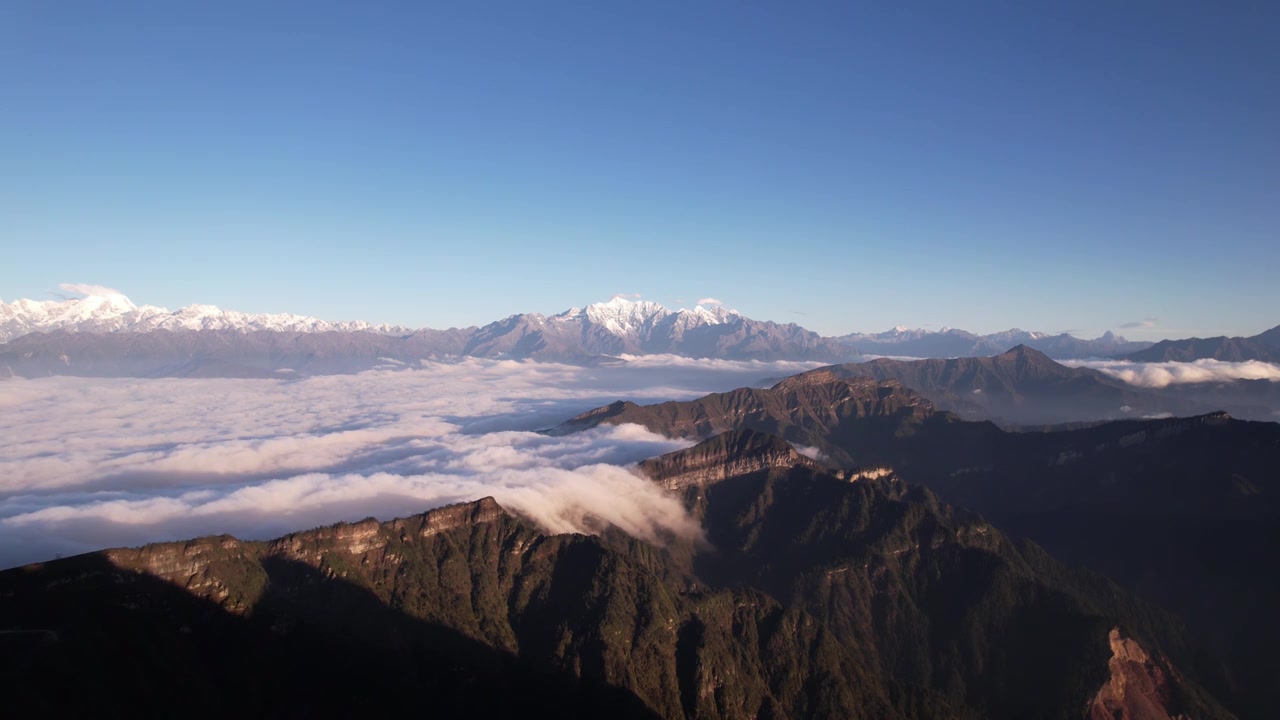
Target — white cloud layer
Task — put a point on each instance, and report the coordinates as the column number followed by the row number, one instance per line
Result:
column 1164, row 374
column 810, row 452
column 88, row 290
column 91, row 462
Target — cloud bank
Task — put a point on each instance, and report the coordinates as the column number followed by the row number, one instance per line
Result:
column 92, row 463
column 1164, row 374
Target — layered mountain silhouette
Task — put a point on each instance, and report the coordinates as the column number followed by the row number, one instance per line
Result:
column 1264, row 346
column 1182, row 510
column 1020, row 387
column 817, row 593
column 951, row 343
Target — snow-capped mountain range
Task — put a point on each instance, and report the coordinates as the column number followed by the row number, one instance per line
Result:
column 107, row 334
column 627, row 327
column 116, row 313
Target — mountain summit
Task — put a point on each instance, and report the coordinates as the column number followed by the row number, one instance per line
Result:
column 639, row 327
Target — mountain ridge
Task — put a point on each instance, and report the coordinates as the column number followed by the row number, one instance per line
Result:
column 599, row 330
column 1180, row 509
column 955, row 343
column 1265, row 346
column 469, row 608
column 1020, row 386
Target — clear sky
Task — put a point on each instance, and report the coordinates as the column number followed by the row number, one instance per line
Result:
column 845, row 165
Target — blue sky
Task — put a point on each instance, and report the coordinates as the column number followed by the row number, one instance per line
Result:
column 847, row 166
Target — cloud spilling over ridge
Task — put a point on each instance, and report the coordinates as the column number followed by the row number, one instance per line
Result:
column 810, row 452
column 1164, row 374
column 93, row 463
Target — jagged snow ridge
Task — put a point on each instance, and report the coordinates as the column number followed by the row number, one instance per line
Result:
column 624, row 317
column 116, row 313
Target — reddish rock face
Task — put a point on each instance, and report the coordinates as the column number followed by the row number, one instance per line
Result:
column 1139, row 688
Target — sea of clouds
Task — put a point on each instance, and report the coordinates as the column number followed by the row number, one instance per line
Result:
column 1164, row 374
column 89, row 463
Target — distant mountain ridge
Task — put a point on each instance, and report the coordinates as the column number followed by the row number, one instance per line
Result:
column 1020, row 386
column 1264, row 346
column 951, row 343
column 109, row 335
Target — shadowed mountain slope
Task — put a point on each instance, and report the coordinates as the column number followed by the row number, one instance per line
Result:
column 935, row 596
column 1021, row 386
column 819, row 408
column 825, row 595
column 464, row 610
column 1182, row 510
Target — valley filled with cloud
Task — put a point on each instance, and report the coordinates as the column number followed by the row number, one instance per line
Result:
column 101, row 462
column 93, row 462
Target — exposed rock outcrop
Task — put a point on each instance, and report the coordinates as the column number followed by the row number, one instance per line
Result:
column 1139, row 688
column 727, row 455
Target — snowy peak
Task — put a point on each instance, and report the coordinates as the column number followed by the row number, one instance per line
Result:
column 621, row 316
column 622, row 326
column 629, row 318
column 714, row 315
column 102, row 312
column 99, row 306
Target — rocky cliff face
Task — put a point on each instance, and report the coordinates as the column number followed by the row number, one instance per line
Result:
column 466, row 609
column 1139, row 687
column 725, row 456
